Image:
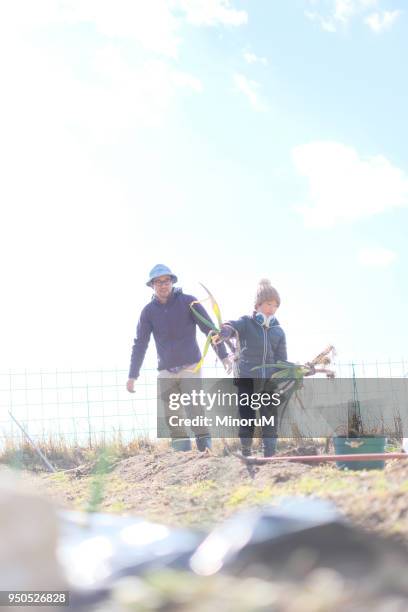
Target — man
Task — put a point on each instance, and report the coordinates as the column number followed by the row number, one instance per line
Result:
column 173, row 324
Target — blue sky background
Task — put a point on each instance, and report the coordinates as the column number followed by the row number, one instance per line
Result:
column 229, row 140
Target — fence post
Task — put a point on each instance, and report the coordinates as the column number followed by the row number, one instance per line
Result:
column 89, row 418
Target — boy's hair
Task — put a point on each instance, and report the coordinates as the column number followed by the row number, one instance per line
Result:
column 265, row 293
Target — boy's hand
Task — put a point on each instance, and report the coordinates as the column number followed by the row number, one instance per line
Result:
column 216, row 339
column 130, row 385
column 226, row 362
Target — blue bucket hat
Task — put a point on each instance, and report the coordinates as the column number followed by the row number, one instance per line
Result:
column 160, row 270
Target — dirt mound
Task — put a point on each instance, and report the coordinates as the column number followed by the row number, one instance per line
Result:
column 198, row 489
column 194, row 489
column 170, row 468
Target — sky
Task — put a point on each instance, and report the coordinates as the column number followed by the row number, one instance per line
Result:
column 230, row 140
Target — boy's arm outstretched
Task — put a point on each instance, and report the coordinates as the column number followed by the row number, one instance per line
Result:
column 228, row 329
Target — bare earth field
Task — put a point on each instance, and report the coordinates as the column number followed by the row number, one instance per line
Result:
column 198, row 490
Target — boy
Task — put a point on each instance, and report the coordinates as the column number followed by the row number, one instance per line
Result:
column 262, row 343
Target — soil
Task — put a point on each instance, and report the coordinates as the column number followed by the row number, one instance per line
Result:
column 199, row 489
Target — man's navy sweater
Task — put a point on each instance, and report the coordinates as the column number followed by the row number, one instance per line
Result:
column 173, row 325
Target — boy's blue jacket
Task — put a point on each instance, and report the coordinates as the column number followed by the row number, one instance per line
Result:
column 260, row 346
column 173, row 325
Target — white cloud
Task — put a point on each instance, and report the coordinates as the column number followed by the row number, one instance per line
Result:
column 185, row 80
column 127, row 96
column 382, row 21
column 250, row 90
column 116, row 97
column 326, row 23
column 343, row 186
column 344, row 10
column 252, row 58
column 127, row 77
column 119, row 86
column 334, row 14
column 376, row 257
column 150, row 24
column 211, row 12
column 153, row 24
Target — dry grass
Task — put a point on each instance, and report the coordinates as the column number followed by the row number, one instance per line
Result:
column 64, row 456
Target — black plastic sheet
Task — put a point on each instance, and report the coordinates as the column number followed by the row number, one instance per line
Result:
column 287, row 540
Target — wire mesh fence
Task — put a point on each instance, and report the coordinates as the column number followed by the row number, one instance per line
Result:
column 79, row 407
column 85, row 407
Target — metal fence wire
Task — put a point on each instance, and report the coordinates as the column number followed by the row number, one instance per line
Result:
column 84, row 407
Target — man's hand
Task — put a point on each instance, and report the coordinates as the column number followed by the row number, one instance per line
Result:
column 226, row 362
column 130, row 385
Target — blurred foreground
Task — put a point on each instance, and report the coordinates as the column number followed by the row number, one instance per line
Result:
column 198, row 531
